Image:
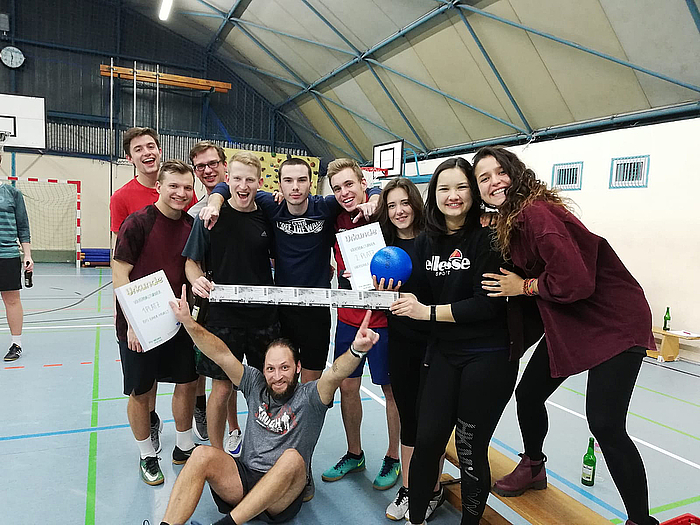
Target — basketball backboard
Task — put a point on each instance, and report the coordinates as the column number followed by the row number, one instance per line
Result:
column 23, row 121
column 389, row 156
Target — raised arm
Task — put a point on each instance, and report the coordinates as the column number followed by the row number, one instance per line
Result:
column 342, row 367
column 210, row 345
column 210, row 213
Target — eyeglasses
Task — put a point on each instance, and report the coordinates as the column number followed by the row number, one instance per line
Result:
column 212, row 164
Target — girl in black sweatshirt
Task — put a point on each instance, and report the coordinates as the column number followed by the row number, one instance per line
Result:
column 471, row 377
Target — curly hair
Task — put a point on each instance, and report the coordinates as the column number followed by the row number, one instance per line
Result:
column 525, row 188
column 414, row 200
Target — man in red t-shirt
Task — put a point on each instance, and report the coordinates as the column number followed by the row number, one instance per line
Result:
column 142, row 149
column 149, row 240
column 349, row 187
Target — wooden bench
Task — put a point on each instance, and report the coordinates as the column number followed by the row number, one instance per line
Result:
column 669, row 344
column 540, row 507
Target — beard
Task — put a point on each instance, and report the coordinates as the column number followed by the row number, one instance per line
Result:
column 287, row 392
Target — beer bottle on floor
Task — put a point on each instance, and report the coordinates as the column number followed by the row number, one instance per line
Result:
column 667, row 319
column 588, row 470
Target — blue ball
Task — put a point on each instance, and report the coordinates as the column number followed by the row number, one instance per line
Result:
column 391, row 262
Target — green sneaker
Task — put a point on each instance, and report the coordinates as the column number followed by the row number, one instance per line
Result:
column 150, row 471
column 346, row 465
column 388, row 475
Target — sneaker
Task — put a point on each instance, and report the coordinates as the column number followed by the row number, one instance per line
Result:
column 199, row 424
column 388, row 475
column 13, row 353
column 156, row 430
column 150, row 471
column 437, row 500
column 346, row 465
column 234, row 443
column 398, row 508
column 310, row 488
column 180, row 456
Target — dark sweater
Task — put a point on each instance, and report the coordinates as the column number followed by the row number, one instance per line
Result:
column 453, row 266
column 416, row 284
column 591, row 306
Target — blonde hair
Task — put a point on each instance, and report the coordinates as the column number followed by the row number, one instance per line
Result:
column 339, row 165
column 249, row 159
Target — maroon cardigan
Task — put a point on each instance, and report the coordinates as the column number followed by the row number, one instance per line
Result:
column 591, row 306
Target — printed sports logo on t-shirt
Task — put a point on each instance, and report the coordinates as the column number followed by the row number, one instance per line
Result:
column 263, row 234
column 300, row 226
column 455, row 262
column 283, row 422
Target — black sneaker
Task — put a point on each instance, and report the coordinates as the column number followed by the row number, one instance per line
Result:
column 150, row 471
column 156, row 429
column 13, row 353
column 180, row 456
column 199, row 424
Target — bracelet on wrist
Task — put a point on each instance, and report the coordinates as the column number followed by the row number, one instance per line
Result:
column 355, row 352
column 529, row 287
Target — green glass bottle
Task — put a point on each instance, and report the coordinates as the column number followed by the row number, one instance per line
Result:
column 667, row 319
column 588, row 470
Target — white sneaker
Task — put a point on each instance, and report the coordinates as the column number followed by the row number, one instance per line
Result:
column 398, row 508
column 437, row 500
column 234, row 443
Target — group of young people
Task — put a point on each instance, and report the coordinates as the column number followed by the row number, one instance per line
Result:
column 446, row 356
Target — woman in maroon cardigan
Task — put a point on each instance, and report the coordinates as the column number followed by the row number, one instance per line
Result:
column 595, row 315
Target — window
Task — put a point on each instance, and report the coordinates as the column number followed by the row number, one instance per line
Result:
column 567, row 176
column 629, row 172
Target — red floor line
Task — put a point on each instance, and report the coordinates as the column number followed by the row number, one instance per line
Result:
column 86, row 363
column 13, row 367
column 57, row 364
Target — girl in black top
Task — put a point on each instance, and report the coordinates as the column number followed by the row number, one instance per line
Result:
column 402, row 217
column 470, row 378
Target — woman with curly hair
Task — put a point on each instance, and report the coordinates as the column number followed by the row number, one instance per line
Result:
column 471, row 375
column 595, row 317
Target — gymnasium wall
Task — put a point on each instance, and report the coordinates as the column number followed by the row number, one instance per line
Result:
column 654, row 230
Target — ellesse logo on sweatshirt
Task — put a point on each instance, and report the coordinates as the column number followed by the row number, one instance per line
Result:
column 454, row 262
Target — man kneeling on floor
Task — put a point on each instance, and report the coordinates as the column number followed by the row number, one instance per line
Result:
column 284, row 422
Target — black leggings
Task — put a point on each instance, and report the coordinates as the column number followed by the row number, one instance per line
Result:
column 472, row 395
column 608, row 395
column 406, row 356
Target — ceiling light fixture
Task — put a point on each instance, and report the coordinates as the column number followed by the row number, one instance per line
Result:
column 165, row 7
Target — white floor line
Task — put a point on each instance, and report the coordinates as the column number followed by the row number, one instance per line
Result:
column 54, row 327
column 636, row 439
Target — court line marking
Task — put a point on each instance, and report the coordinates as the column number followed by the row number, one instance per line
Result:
column 58, row 327
column 104, row 427
column 636, row 439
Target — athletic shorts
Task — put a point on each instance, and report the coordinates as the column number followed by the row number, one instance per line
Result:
column 249, row 478
column 248, row 342
column 10, row 274
column 378, row 356
column 171, row 362
column 309, row 328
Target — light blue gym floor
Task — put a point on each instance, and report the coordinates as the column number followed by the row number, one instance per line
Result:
column 67, row 454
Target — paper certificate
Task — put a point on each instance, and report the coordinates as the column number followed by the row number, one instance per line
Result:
column 145, row 305
column 358, row 246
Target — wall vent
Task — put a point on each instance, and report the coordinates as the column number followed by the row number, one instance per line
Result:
column 629, row 172
column 567, row 176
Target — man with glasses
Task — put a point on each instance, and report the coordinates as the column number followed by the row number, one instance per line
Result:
column 210, row 167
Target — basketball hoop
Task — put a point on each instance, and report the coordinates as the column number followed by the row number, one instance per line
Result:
column 373, row 175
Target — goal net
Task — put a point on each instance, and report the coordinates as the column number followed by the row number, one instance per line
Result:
column 53, row 207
